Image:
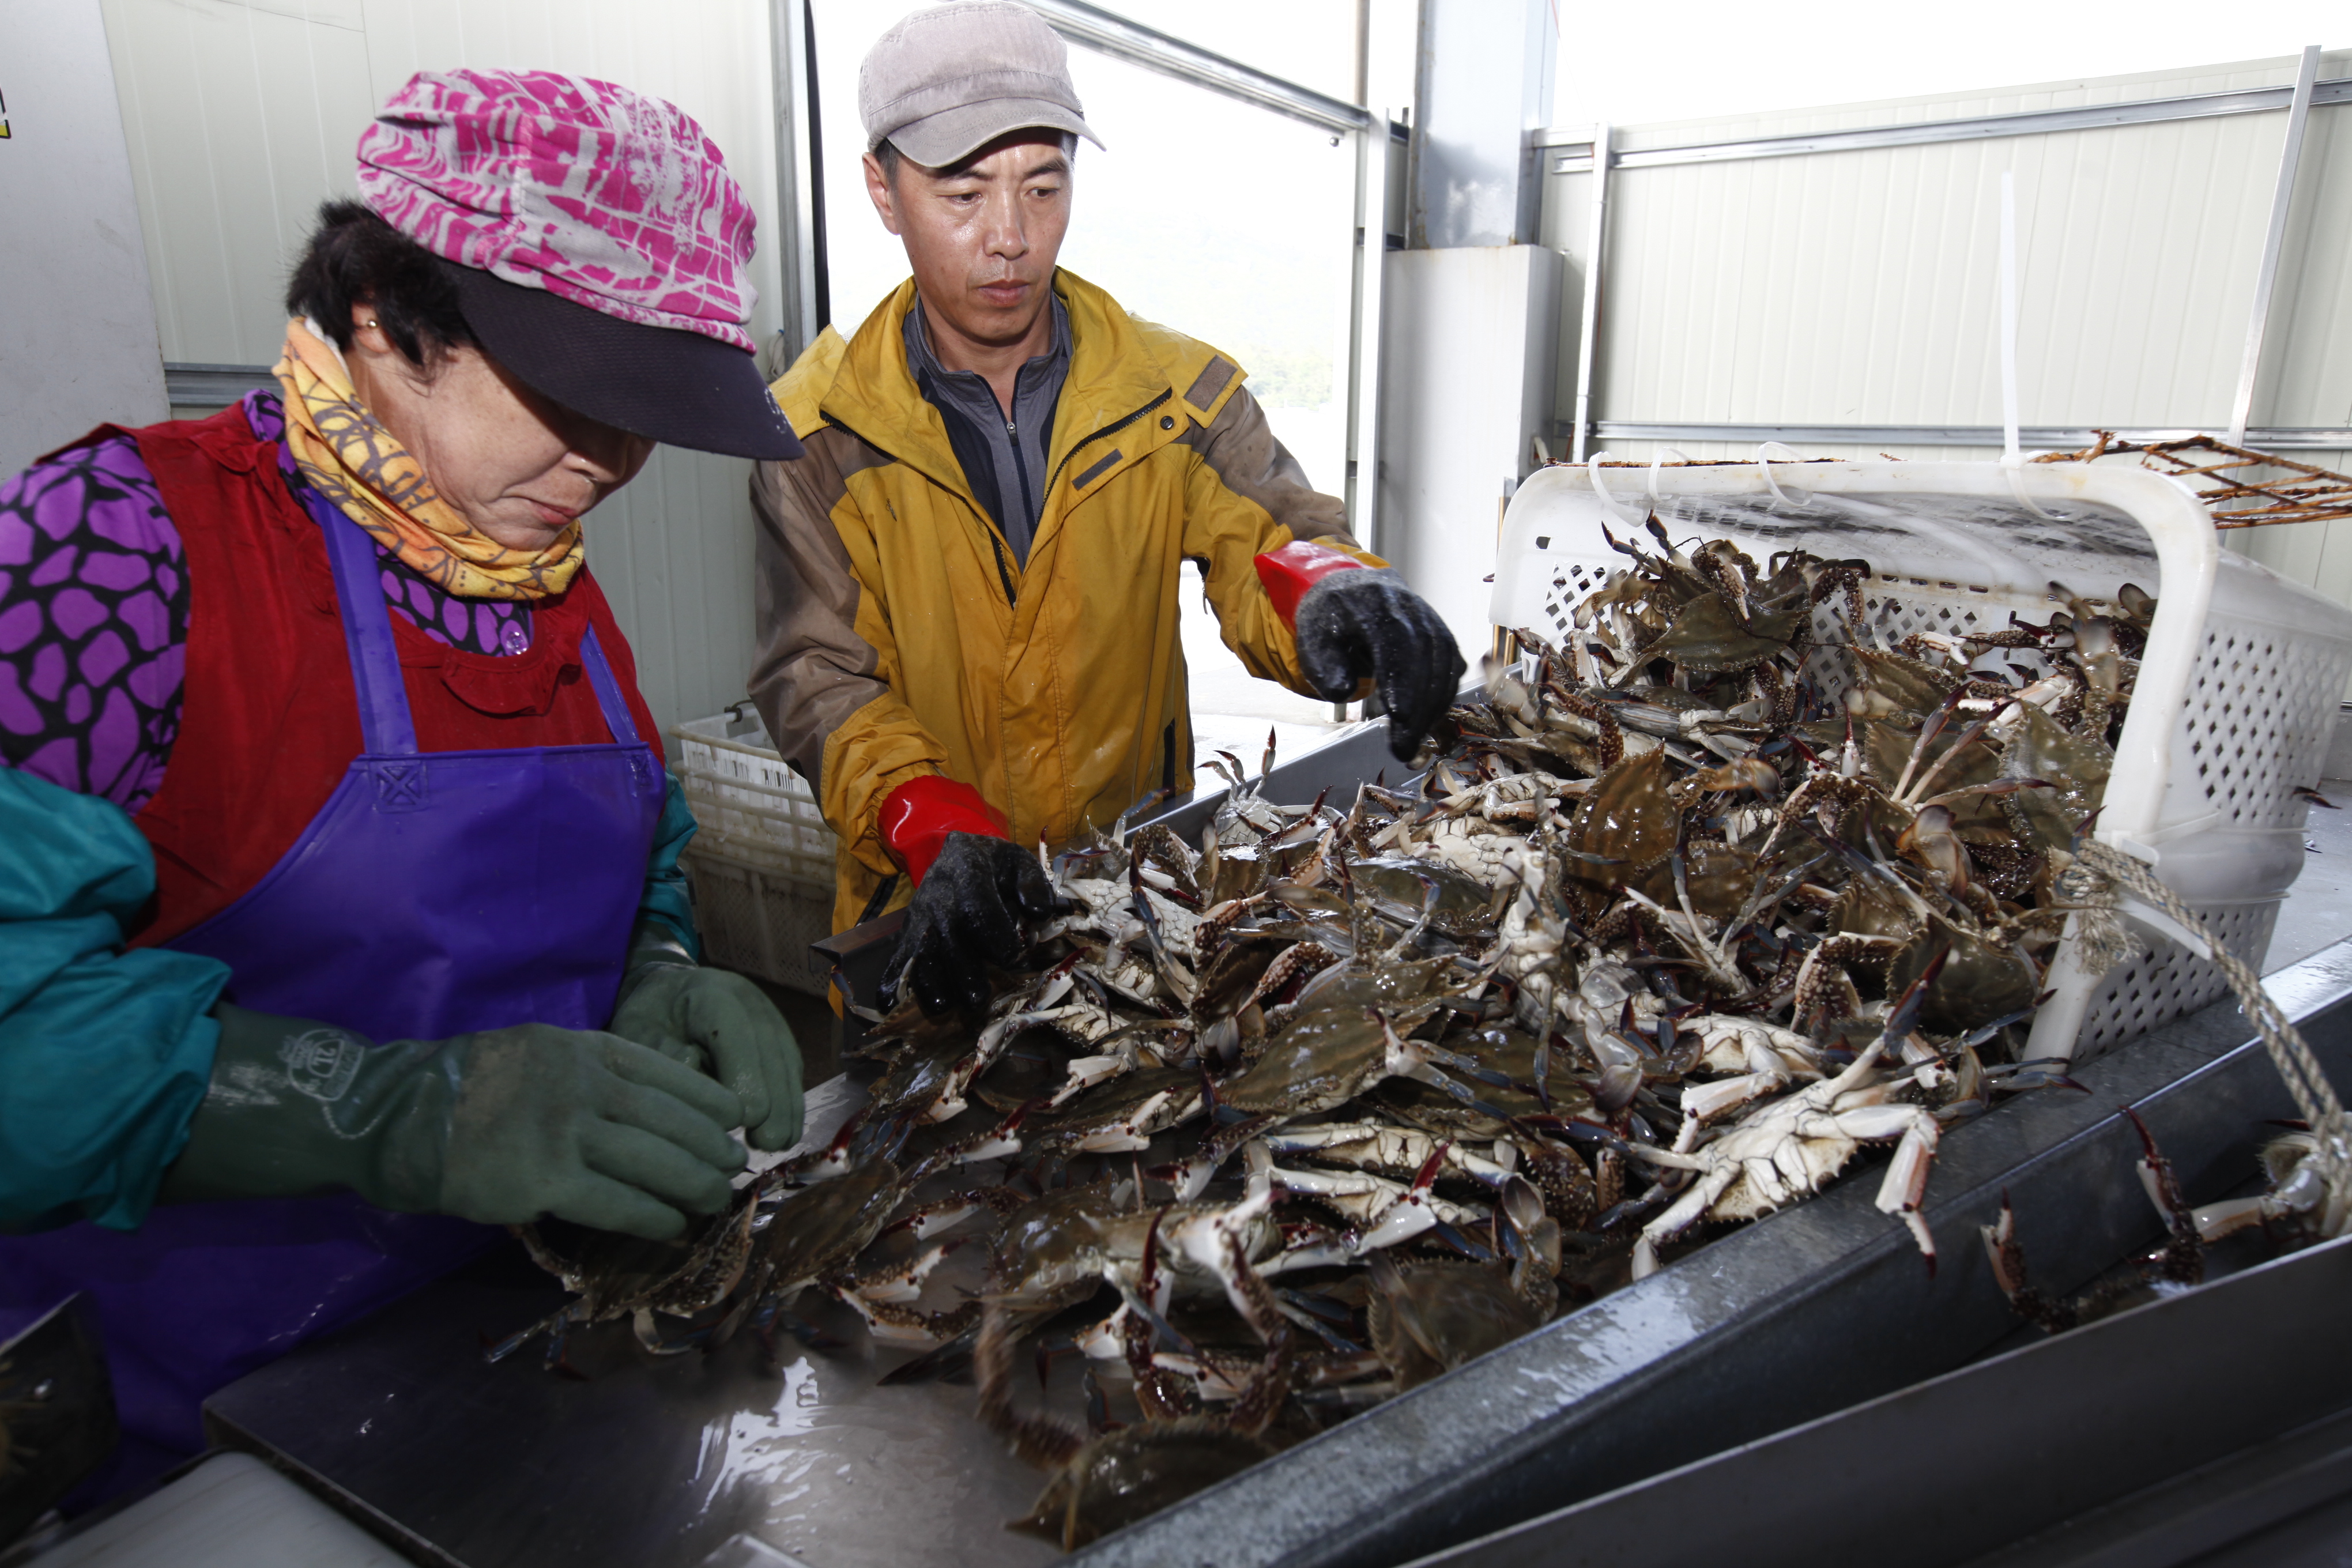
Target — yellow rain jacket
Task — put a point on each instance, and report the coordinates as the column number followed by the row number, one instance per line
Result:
column 900, row 637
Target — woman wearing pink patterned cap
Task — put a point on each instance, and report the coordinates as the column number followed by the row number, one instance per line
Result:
column 340, row 916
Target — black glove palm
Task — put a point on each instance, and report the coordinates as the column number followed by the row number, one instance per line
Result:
column 1351, row 624
column 966, row 918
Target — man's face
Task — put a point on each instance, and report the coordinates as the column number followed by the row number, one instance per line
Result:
column 982, row 236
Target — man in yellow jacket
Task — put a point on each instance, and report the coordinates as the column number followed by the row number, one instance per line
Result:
column 967, row 588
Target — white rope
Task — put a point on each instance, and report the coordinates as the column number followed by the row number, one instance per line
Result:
column 2330, row 1156
column 2314, row 1095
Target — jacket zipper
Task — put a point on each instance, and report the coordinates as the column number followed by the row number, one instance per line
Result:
column 995, row 545
column 1021, row 465
column 997, row 550
column 1111, row 429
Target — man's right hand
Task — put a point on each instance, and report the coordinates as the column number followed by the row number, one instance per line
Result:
column 965, row 920
column 503, row 1126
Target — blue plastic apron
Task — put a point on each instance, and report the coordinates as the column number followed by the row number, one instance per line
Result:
column 435, row 893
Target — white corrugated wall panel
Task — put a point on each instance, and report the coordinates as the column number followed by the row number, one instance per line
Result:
column 1862, row 287
column 242, row 118
column 1566, row 226
column 2309, row 381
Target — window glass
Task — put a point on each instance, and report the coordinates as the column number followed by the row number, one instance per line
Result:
column 1310, row 42
column 1221, row 220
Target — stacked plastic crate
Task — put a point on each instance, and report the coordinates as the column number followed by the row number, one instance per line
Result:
column 761, row 866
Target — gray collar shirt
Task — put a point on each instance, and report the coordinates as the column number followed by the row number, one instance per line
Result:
column 1003, row 459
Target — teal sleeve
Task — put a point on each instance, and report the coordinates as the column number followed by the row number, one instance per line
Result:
column 665, row 896
column 105, row 1053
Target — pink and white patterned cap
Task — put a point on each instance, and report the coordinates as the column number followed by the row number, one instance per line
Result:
column 599, row 195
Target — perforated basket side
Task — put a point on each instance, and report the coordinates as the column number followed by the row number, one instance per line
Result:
column 733, row 747
column 2261, row 711
column 755, row 918
column 740, row 786
column 2168, row 981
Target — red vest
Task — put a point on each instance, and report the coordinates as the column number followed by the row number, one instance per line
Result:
column 270, row 720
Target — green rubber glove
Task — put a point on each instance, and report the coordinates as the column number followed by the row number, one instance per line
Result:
column 717, row 1020
column 503, row 1127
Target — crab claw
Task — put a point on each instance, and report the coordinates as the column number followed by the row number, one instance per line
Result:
column 1904, row 1016
column 1411, row 1214
column 2001, row 1250
column 2156, row 1175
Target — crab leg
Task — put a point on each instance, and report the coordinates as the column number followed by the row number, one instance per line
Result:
column 1359, row 1143
column 1906, row 1185
column 1679, row 1217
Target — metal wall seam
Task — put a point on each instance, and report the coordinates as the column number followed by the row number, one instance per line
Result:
column 1982, row 127
column 2045, row 437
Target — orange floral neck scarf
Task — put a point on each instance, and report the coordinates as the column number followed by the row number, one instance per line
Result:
column 354, row 461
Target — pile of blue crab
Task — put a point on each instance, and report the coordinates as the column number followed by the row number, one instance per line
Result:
column 1672, row 928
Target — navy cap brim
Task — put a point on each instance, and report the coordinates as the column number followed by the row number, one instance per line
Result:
column 664, row 383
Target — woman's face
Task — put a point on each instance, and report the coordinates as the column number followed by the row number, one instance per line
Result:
column 519, row 467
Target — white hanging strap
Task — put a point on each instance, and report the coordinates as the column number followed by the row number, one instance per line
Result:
column 2016, row 472
column 1658, row 462
column 2010, row 452
column 1608, row 503
column 1764, row 461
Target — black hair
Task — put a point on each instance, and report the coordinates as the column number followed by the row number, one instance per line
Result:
column 356, row 257
column 887, row 153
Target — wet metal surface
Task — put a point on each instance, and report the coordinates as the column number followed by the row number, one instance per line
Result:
column 1810, row 1311
column 2061, row 1440
column 652, row 1462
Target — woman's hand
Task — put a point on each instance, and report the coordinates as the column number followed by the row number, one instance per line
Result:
column 504, row 1126
column 719, row 1020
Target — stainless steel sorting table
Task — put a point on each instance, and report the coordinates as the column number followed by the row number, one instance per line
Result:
column 665, row 1463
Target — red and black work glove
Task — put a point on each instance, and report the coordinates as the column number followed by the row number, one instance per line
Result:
column 973, row 890
column 1355, row 622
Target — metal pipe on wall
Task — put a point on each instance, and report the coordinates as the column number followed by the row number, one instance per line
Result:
column 1154, row 50
column 1588, row 319
column 2298, row 119
column 799, row 178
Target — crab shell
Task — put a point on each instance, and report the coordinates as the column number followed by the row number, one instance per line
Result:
column 821, row 1228
column 1627, row 822
column 1805, row 1160
column 1052, row 1253
column 1980, row 982
column 1135, row 1471
column 1428, row 1318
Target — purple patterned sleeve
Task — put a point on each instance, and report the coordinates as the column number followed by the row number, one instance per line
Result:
column 93, row 624
column 94, row 618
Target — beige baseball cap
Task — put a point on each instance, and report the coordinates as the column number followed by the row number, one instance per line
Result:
column 948, row 80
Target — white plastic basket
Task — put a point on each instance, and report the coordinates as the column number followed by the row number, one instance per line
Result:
column 2237, row 693
column 761, row 868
